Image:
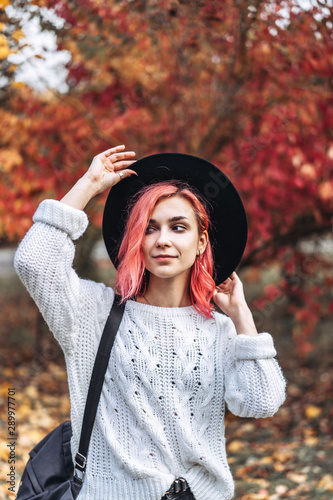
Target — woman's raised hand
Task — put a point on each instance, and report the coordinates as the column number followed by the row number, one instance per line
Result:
column 229, row 297
column 102, row 174
column 105, row 168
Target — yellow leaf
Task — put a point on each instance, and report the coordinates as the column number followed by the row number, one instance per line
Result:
column 9, row 158
column 18, row 85
column 311, row 441
column 8, row 372
column 31, row 392
column 40, row 3
column 297, row 478
column 3, row 41
column 279, row 467
column 236, row 446
column 312, row 411
column 3, row 452
column 326, row 483
column 4, row 52
column 24, row 410
column 4, row 3
column 17, row 35
column 282, row 455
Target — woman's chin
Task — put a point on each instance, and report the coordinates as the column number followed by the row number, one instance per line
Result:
column 168, row 274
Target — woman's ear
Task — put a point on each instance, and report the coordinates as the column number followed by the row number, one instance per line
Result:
column 203, row 241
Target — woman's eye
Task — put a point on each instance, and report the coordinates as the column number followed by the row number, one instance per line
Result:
column 177, row 228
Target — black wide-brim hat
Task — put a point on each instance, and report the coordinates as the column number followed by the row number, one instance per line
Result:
column 228, row 232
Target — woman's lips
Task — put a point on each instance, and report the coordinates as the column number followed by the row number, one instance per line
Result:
column 164, row 257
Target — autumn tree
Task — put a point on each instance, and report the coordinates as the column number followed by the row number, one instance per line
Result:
column 244, row 84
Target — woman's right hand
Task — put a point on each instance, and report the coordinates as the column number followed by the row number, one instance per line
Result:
column 102, row 174
column 104, row 170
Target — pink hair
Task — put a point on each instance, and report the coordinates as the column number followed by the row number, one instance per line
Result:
column 131, row 280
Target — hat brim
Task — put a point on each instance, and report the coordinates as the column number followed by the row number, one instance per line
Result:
column 228, row 233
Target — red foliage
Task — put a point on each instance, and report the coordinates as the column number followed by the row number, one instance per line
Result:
column 239, row 85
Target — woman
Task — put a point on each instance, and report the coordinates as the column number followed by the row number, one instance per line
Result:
column 159, row 429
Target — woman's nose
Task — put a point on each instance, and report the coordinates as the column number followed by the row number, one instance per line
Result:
column 163, row 239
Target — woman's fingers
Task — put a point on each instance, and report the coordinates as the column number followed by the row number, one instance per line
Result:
column 227, row 285
column 115, row 157
column 123, row 164
column 115, row 149
column 122, row 174
column 230, row 280
column 115, row 154
column 114, row 161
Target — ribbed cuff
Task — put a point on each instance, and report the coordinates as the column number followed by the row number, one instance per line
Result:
column 258, row 347
column 71, row 220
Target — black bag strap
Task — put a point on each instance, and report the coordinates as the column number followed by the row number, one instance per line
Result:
column 95, row 387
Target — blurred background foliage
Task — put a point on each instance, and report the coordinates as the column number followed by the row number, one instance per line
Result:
column 246, row 84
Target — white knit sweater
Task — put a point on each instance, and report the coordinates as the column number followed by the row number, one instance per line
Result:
column 162, row 407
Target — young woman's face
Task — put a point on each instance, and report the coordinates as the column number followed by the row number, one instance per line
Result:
column 172, row 239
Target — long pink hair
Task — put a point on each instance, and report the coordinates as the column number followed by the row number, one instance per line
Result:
column 131, row 277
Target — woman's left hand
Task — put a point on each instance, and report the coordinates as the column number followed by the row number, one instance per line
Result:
column 229, row 297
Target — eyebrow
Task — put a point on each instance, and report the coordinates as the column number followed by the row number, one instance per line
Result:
column 173, row 219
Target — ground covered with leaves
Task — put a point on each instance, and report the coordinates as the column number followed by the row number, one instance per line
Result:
column 287, row 456
column 291, row 454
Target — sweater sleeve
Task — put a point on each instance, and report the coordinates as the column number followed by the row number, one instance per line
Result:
column 44, row 261
column 254, row 383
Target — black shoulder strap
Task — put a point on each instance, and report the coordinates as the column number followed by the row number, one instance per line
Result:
column 96, row 384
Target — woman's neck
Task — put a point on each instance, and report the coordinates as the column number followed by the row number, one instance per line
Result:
column 166, row 293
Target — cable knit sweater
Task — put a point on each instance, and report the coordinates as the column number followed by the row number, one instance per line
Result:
column 171, row 370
